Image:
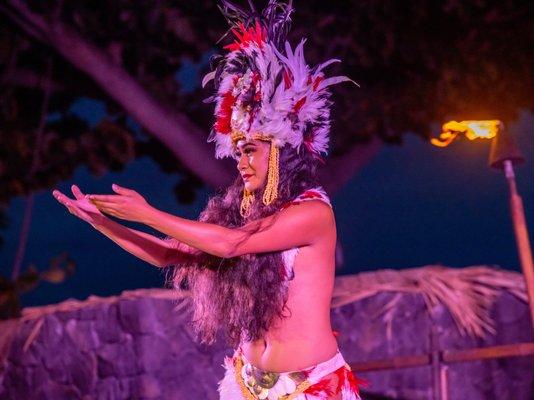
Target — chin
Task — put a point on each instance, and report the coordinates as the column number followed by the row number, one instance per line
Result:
column 252, row 186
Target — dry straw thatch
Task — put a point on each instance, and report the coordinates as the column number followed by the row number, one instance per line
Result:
column 468, row 293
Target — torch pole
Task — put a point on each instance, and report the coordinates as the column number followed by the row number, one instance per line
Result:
column 521, row 234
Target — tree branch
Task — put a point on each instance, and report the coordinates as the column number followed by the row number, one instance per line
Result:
column 36, row 160
column 26, row 22
column 175, row 130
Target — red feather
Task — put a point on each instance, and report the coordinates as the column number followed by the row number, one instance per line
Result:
column 222, row 125
column 255, row 34
column 316, row 82
column 308, row 142
column 323, row 387
column 308, row 145
column 298, row 105
column 288, row 79
column 344, row 374
column 310, row 194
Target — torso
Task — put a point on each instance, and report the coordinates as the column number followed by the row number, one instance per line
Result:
column 305, row 337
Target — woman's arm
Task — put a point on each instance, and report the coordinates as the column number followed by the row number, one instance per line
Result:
column 149, row 248
column 292, row 227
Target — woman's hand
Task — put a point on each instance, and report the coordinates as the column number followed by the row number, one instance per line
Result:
column 127, row 204
column 80, row 206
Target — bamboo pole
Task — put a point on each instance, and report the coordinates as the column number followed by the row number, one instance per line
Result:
column 435, row 361
column 484, row 353
column 521, row 235
column 392, row 363
column 447, row 356
column 444, row 378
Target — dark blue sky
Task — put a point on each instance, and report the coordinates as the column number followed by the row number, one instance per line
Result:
column 412, row 205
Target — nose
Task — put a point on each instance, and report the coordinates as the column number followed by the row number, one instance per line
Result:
column 242, row 162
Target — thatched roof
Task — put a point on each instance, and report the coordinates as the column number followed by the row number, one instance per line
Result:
column 468, row 293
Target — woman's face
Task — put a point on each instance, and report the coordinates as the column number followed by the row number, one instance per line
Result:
column 252, row 162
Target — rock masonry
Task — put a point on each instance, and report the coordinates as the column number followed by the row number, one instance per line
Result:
column 138, row 345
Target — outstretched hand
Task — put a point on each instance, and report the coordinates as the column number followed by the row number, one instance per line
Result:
column 127, row 204
column 80, row 206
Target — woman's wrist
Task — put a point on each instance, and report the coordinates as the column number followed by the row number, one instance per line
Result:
column 150, row 216
column 100, row 222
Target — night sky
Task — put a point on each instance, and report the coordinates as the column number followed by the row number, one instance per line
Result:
column 412, row 205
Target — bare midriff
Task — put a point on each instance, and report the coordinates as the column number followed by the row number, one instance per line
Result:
column 304, row 338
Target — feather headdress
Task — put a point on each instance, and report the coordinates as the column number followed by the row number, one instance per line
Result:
column 264, row 88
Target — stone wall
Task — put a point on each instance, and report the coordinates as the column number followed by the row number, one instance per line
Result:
column 139, row 346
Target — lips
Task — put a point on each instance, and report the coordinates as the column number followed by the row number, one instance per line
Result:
column 246, row 176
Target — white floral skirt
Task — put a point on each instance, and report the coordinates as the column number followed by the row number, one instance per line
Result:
column 243, row 381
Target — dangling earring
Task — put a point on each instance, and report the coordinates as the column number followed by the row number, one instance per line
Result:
column 271, row 189
column 246, row 203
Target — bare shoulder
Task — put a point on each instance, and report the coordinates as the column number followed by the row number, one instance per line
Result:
column 312, row 211
column 300, row 224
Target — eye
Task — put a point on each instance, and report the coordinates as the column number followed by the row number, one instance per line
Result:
column 246, row 150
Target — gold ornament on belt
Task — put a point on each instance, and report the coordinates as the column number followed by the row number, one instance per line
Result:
column 258, row 387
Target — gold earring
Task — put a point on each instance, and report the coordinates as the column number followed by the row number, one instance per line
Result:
column 271, row 189
column 246, row 203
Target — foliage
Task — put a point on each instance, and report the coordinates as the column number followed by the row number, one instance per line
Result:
column 418, row 64
column 61, row 267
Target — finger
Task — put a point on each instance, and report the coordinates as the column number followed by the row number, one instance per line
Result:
column 56, row 193
column 79, row 213
column 68, row 203
column 72, row 210
column 110, row 211
column 88, row 206
column 82, row 214
column 122, row 190
column 108, row 198
column 104, row 207
column 100, row 205
column 61, row 197
column 77, row 192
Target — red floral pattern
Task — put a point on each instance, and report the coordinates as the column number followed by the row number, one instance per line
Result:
column 343, row 376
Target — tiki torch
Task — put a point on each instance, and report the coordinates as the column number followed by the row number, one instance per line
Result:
column 503, row 155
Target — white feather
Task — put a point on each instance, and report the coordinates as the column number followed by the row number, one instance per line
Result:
column 277, row 103
column 208, row 77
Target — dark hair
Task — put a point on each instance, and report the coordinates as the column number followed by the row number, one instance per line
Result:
column 243, row 294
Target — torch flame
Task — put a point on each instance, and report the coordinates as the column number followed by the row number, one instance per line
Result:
column 471, row 129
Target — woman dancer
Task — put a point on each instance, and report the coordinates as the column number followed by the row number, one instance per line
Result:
column 260, row 261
